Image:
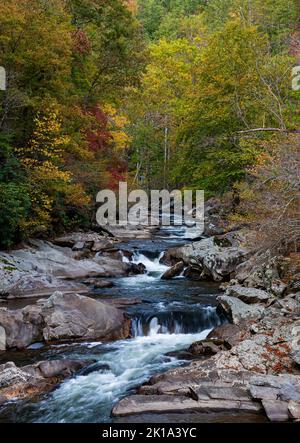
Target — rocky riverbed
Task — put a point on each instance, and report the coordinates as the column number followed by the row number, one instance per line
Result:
column 136, row 322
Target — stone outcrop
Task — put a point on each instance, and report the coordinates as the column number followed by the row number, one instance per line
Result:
column 32, row 380
column 210, row 258
column 248, row 295
column 90, row 240
column 42, row 267
column 63, row 317
column 238, row 311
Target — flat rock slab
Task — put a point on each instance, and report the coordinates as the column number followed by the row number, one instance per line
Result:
column 248, row 295
column 223, row 393
column 139, row 404
column 276, row 410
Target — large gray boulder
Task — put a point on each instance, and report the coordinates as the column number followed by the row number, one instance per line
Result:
column 238, row 311
column 22, row 326
column 248, row 295
column 77, row 317
column 215, row 259
column 63, row 317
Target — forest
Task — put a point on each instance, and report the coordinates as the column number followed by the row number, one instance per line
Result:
column 174, row 94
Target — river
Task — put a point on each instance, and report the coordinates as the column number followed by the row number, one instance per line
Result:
column 172, row 315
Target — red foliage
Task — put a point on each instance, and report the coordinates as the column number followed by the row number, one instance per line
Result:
column 99, row 138
column 98, row 135
column 81, row 41
column 117, row 174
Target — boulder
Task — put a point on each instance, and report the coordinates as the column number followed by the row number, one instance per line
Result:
column 208, row 347
column 135, row 269
column 56, row 368
column 239, row 311
column 248, row 295
column 174, row 271
column 22, row 326
column 229, row 333
column 264, row 272
column 215, row 261
column 76, row 317
column 63, row 317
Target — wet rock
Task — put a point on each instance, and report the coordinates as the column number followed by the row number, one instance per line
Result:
column 239, row 311
column 208, row 347
column 137, row 269
column 248, row 295
column 63, row 317
column 174, row 271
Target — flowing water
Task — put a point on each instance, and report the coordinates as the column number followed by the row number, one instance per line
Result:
column 171, row 315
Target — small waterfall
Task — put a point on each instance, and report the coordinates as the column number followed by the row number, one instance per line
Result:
column 152, row 265
column 176, row 322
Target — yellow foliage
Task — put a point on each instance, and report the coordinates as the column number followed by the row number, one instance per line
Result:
column 117, row 123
